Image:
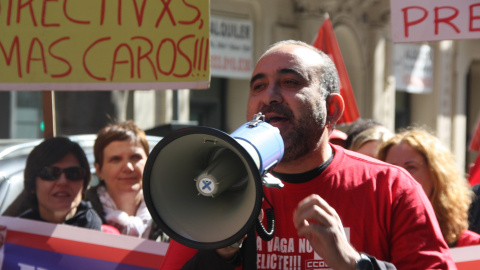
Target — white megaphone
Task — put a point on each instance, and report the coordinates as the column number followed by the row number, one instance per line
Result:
column 203, row 187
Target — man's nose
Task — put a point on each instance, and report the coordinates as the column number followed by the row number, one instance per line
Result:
column 274, row 94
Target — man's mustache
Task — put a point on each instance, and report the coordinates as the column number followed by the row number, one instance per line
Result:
column 278, row 109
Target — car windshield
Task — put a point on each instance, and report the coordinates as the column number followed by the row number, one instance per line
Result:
column 16, row 148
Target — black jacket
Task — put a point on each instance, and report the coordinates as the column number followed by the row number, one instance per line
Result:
column 85, row 217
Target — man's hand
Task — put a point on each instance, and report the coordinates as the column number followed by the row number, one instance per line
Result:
column 227, row 253
column 316, row 220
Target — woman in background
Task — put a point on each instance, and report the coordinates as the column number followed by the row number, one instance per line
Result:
column 121, row 151
column 433, row 166
column 366, row 135
column 56, row 177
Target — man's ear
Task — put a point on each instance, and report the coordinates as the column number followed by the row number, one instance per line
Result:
column 335, row 107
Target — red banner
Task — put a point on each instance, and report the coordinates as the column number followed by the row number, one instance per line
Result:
column 327, row 42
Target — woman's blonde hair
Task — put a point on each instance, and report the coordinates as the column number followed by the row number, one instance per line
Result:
column 451, row 195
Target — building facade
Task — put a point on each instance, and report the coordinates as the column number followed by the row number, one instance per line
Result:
column 446, row 103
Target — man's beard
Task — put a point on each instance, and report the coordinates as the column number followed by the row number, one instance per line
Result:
column 303, row 134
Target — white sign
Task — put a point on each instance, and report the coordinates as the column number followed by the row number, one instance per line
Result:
column 413, row 68
column 466, row 258
column 428, row 20
column 30, row 244
column 231, row 48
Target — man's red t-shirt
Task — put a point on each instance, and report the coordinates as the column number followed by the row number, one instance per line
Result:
column 384, row 211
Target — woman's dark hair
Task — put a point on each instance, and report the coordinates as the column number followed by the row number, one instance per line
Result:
column 47, row 153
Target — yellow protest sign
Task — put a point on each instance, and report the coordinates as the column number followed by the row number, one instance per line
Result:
column 104, row 45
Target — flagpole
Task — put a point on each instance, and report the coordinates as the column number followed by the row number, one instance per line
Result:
column 48, row 98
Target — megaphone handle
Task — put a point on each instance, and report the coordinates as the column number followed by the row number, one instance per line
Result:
column 249, row 251
column 268, row 234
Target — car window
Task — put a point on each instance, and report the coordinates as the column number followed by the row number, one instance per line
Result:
column 16, row 150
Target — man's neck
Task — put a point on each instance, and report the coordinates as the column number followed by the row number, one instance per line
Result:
column 307, row 162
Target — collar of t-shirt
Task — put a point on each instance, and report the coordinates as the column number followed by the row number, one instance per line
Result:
column 305, row 176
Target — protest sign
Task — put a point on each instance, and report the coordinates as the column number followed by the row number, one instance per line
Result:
column 430, row 20
column 466, row 257
column 42, row 245
column 104, row 45
column 413, row 68
column 231, row 42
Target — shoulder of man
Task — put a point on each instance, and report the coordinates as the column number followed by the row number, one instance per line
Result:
column 353, row 160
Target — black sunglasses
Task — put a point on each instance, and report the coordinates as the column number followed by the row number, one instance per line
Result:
column 53, row 173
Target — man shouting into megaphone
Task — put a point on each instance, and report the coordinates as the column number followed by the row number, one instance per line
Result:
column 338, row 209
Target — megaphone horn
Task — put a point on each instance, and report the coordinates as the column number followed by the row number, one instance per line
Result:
column 203, row 187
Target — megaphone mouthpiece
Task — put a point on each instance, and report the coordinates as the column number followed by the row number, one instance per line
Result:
column 222, row 172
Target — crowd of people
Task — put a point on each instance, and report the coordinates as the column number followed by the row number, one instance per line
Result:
column 57, row 184
column 369, row 198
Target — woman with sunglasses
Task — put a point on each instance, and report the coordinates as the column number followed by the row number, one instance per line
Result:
column 57, row 175
column 121, row 151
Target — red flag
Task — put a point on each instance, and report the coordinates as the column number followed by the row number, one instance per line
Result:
column 474, row 173
column 475, row 143
column 326, row 42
